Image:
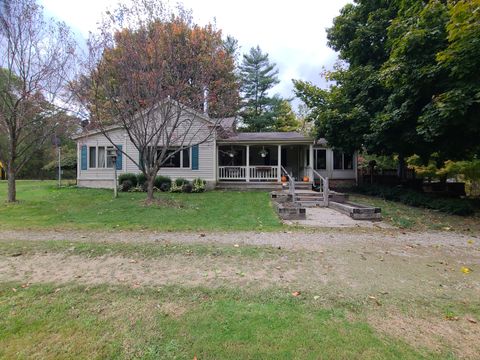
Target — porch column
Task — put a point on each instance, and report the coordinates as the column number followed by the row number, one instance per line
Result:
column 310, row 162
column 247, row 170
column 279, row 164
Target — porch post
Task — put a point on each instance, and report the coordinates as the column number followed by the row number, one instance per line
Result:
column 310, row 162
column 279, row 164
column 247, row 170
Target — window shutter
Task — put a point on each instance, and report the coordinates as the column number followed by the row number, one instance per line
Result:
column 119, row 157
column 84, row 157
column 195, row 157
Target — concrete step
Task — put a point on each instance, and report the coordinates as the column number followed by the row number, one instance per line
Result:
column 357, row 211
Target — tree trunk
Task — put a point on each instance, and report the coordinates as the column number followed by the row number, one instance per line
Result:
column 150, row 184
column 12, row 190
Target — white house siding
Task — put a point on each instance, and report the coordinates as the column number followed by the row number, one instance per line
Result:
column 104, row 178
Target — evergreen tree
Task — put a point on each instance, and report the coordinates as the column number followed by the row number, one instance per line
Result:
column 258, row 75
column 285, row 118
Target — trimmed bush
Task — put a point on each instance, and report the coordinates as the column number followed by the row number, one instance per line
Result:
column 181, row 181
column 128, row 176
column 141, row 179
column 187, row 188
column 176, row 188
column 198, row 185
column 126, row 185
column 163, row 183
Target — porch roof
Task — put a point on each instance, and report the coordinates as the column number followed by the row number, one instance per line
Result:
column 267, row 137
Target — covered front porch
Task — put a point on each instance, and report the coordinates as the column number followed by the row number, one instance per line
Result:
column 264, row 163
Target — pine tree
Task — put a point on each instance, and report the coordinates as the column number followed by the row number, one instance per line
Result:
column 285, row 118
column 258, row 76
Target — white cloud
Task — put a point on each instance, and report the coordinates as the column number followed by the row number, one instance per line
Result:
column 292, row 32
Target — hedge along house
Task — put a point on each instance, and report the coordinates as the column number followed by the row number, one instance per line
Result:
column 228, row 158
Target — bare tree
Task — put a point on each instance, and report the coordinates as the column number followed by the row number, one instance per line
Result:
column 152, row 72
column 36, row 57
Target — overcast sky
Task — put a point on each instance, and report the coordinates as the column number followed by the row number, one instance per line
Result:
column 292, row 32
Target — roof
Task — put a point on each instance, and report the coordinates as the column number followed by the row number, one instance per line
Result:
column 291, row 136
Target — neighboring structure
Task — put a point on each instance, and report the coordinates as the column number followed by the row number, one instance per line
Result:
column 227, row 158
column 3, row 174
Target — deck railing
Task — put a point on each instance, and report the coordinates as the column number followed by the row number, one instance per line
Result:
column 323, row 185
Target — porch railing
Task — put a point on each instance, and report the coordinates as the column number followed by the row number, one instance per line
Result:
column 323, row 185
column 291, row 183
column 232, row 172
column 255, row 173
column 263, row 173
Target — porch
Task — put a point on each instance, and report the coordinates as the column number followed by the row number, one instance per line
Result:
column 253, row 163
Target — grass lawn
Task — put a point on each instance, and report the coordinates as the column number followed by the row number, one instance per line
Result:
column 43, row 205
column 76, row 322
column 409, row 217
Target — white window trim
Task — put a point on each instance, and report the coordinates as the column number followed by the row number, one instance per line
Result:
column 96, row 160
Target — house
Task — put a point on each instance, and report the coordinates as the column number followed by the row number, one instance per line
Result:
column 227, row 159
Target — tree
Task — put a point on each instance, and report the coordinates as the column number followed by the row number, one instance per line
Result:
column 258, row 76
column 285, row 119
column 36, row 61
column 408, row 82
column 147, row 68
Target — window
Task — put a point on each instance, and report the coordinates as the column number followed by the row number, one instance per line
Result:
column 93, row 157
column 100, row 157
column 348, row 161
column 180, row 159
column 337, row 160
column 320, row 159
column 186, row 158
column 342, row 161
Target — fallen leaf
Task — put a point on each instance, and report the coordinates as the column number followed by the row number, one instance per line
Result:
column 470, row 242
column 24, row 286
column 236, row 245
column 14, row 290
column 202, row 235
column 16, row 254
column 133, row 261
column 296, row 293
column 316, row 297
column 473, row 321
column 57, row 290
column 451, row 317
column 375, row 299
column 466, row 270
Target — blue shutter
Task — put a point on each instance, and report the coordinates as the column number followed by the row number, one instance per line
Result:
column 195, row 157
column 84, row 157
column 119, row 157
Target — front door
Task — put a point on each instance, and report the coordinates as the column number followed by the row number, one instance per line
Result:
column 293, row 160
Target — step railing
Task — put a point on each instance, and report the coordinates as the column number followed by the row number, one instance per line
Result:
column 323, row 185
column 291, row 183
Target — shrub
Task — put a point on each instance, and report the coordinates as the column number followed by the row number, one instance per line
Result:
column 141, row 179
column 165, row 187
column 128, row 176
column 187, row 188
column 181, row 181
column 176, row 188
column 126, row 185
column 414, row 198
column 198, row 185
column 163, row 183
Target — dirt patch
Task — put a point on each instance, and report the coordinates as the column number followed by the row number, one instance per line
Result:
column 461, row 336
column 161, row 202
column 175, row 269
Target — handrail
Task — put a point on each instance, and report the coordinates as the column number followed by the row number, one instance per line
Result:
column 323, row 186
column 291, row 183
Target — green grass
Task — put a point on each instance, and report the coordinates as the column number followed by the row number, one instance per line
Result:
column 75, row 322
column 408, row 217
column 137, row 250
column 44, row 206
